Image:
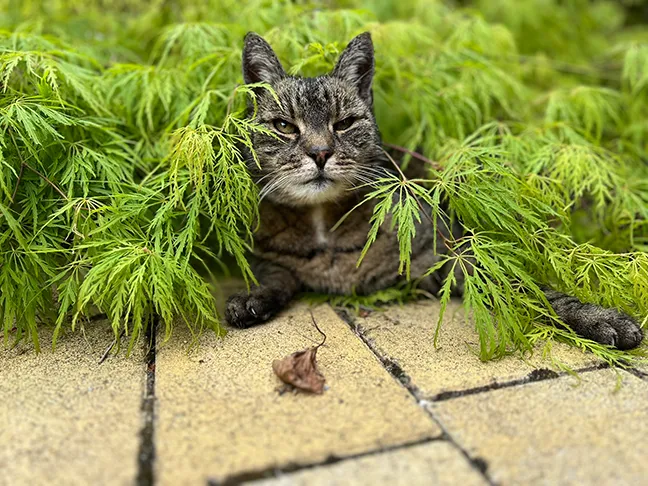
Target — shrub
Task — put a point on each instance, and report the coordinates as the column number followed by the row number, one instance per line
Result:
column 122, row 183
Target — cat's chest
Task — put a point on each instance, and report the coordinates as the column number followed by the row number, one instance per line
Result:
column 304, row 233
column 322, row 246
column 321, row 227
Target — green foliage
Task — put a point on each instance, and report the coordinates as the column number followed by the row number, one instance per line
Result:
column 123, row 187
column 401, row 294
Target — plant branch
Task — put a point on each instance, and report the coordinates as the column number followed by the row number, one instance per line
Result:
column 445, row 240
column 20, row 174
column 24, row 164
column 42, row 176
column 569, row 68
column 415, row 155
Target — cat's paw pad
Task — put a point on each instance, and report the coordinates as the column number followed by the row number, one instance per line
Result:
column 244, row 310
column 616, row 329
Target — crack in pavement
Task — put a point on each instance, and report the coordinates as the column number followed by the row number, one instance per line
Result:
column 146, row 454
column 539, row 374
column 478, row 463
column 272, row 472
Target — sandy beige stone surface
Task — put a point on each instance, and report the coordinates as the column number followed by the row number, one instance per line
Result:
column 405, row 334
column 65, row 419
column 220, row 413
column 557, row 432
column 437, row 463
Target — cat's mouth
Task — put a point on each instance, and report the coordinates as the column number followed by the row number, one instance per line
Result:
column 320, row 181
column 315, row 190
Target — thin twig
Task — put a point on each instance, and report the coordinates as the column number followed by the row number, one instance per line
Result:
column 396, row 166
column 24, row 164
column 15, row 191
column 318, row 329
column 416, row 155
column 63, row 195
column 230, row 102
column 112, row 345
column 565, row 67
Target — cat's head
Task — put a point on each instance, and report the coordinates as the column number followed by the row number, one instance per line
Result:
column 327, row 139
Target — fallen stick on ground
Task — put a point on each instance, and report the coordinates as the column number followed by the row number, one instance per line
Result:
column 112, row 345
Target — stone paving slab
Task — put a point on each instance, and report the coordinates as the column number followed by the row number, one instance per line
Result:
column 557, row 432
column 220, row 413
column 405, row 334
column 437, row 463
column 64, row 418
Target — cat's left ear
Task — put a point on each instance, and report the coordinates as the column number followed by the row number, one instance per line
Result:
column 356, row 65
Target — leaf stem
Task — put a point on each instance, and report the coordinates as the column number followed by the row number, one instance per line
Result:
column 445, row 240
column 416, row 155
column 42, row 176
column 20, row 174
column 318, row 329
column 24, row 164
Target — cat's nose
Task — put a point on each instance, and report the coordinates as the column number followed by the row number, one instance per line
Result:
column 320, row 155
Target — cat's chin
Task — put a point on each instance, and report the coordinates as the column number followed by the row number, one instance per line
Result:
column 313, row 192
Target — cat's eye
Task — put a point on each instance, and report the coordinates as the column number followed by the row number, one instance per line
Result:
column 282, row 126
column 343, row 124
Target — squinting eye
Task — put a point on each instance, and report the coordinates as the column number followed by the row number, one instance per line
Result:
column 283, row 126
column 343, row 124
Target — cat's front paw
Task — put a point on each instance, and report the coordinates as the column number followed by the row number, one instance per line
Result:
column 248, row 309
column 616, row 329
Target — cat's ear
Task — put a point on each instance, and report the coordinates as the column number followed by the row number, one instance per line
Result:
column 356, row 64
column 260, row 63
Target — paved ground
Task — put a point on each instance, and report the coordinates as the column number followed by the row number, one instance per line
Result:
column 396, row 410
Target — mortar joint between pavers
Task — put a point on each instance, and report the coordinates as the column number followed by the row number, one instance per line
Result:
column 539, row 374
column 146, row 453
column 638, row 373
column 275, row 471
column 405, row 380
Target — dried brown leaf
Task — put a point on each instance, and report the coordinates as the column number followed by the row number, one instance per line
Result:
column 300, row 370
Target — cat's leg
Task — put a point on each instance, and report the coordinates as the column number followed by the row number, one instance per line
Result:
column 600, row 324
column 277, row 286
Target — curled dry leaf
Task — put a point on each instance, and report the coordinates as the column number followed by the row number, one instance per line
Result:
column 300, row 368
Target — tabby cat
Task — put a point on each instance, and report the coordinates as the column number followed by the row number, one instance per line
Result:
column 327, row 144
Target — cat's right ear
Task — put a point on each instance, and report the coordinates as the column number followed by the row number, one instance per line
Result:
column 260, row 63
column 356, row 65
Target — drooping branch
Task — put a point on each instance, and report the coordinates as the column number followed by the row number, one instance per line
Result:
column 15, row 191
column 42, row 176
column 23, row 165
column 415, row 155
column 445, row 240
